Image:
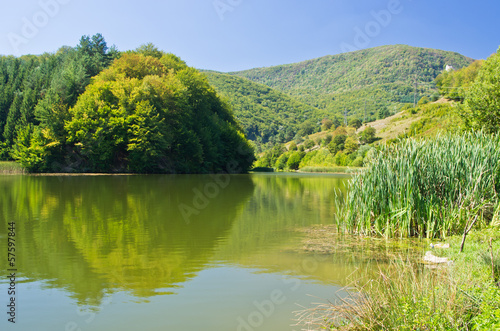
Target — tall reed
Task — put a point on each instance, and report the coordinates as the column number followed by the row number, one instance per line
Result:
column 426, row 188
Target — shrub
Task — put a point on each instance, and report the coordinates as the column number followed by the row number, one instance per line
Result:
column 358, row 162
column 281, row 162
column 294, row 160
column 308, row 144
column 351, row 145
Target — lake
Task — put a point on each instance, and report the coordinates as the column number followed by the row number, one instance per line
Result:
column 192, row 252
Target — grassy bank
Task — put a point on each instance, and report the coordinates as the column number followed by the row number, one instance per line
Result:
column 341, row 170
column 11, row 168
column 463, row 295
column 426, row 188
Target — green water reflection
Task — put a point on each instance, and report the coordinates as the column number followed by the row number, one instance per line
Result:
column 93, row 235
column 178, row 242
column 151, row 237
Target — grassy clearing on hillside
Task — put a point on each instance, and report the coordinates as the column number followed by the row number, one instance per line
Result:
column 425, row 120
column 426, row 188
column 10, row 168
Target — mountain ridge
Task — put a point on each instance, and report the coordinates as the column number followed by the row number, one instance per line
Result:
column 369, row 84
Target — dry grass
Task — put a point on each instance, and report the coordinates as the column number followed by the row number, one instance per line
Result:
column 405, row 296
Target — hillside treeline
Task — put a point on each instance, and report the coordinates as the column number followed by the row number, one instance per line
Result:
column 93, row 109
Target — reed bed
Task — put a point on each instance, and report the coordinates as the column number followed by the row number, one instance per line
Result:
column 426, row 188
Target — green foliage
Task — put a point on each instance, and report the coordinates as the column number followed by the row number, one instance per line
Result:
column 145, row 114
column 326, row 124
column 326, row 140
column 148, row 138
column 29, row 149
column 489, row 308
column 454, row 85
column 383, row 112
column 268, row 160
column 426, row 188
column 307, row 127
column 358, row 162
column 483, row 99
column 94, row 54
column 337, row 144
column 38, row 90
column 367, row 136
column 308, row 144
column 4, row 151
column 351, row 145
column 150, row 49
column 294, row 160
column 266, row 115
column 341, row 159
column 319, row 158
column 281, row 163
column 148, row 112
column 423, row 101
column 436, row 118
column 355, row 123
column 380, row 78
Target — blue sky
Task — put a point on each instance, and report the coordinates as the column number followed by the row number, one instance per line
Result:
column 228, row 35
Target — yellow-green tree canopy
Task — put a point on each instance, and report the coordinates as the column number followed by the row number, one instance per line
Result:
column 149, row 114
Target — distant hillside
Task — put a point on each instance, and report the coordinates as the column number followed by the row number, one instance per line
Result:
column 264, row 113
column 380, row 79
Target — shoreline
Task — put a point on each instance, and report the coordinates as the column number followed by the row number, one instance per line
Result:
column 460, row 291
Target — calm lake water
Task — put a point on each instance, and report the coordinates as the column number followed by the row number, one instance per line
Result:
column 168, row 252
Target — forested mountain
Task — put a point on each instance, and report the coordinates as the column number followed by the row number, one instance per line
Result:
column 266, row 114
column 378, row 79
column 91, row 109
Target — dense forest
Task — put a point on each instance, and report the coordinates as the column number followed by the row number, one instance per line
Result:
column 368, row 84
column 470, row 102
column 266, row 114
column 93, row 109
column 277, row 104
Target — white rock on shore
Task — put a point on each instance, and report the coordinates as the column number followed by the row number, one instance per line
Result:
column 430, row 258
